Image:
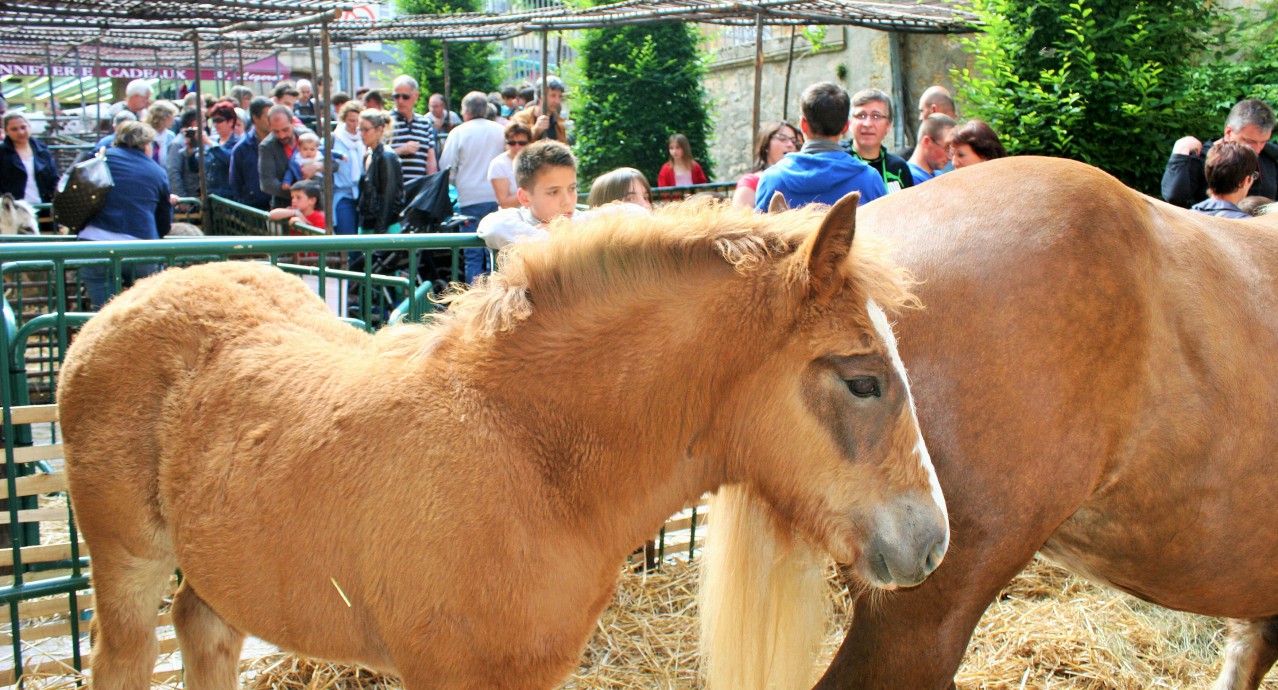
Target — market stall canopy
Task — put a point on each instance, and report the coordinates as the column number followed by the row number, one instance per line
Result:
column 920, row 16
column 152, row 14
column 262, row 23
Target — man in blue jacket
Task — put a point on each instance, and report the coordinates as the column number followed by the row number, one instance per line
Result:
column 821, row 172
column 246, row 185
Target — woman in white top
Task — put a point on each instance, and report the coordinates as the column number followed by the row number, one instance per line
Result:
column 501, row 172
column 160, row 115
column 349, row 142
column 27, row 169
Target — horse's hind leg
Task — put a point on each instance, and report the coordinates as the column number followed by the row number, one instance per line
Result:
column 128, row 590
column 210, row 648
column 1251, row 650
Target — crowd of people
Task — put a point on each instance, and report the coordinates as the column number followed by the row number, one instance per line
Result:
column 509, row 156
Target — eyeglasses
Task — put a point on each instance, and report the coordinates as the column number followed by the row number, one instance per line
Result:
column 785, row 137
column 874, row 117
column 403, row 96
column 362, row 128
column 218, row 120
column 516, row 143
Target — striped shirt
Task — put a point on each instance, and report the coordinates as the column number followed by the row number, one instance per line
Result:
column 419, row 130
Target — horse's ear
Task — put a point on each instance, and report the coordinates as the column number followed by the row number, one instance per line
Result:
column 828, row 247
column 6, row 201
column 778, row 204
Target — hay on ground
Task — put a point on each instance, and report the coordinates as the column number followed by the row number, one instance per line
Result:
column 1047, row 629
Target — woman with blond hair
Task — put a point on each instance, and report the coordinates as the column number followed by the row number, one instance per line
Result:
column 137, row 207
column 381, row 191
column 160, row 115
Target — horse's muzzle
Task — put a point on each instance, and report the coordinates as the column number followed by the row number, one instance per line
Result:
column 909, row 542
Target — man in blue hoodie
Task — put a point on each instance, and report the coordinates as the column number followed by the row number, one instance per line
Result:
column 821, row 172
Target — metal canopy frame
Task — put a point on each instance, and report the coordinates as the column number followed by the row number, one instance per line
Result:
column 153, row 14
column 262, row 23
column 127, row 32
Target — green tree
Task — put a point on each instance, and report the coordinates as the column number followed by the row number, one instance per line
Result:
column 639, row 85
column 1106, row 82
column 1243, row 64
column 471, row 66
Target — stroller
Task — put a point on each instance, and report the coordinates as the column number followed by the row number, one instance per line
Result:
column 429, row 210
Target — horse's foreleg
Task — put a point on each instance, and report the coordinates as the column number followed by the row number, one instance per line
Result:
column 210, row 648
column 916, row 638
column 1250, row 652
column 128, row 591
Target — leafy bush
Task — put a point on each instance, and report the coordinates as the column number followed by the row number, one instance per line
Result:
column 471, row 66
column 639, row 85
column 1100, row 81
column 1243, row 63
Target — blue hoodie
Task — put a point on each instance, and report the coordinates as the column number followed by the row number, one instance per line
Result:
column 820, row 177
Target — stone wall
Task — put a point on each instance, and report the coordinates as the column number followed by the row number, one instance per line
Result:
column 853, row 57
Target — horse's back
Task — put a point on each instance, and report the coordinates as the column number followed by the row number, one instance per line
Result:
column 1094, row 360
column 125, row 371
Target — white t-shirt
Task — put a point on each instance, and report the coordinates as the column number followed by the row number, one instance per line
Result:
column 502, row 167
column 471, row 148
column 31, row 194
column 514, row 225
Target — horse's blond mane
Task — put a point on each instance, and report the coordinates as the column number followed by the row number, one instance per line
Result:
column 619, row 252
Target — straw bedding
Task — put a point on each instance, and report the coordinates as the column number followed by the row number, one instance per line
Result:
column 1048, row 629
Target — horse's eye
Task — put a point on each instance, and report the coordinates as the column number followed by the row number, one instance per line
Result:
column 864, row 387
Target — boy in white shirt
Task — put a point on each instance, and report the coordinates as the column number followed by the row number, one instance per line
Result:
column 546, row 174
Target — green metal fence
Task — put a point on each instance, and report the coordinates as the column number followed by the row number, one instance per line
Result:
column 44, row 305
column 227, row 217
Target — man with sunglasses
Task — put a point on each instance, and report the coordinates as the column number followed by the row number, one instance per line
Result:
column 871, row 120
column 472, row 145
column 413, row 137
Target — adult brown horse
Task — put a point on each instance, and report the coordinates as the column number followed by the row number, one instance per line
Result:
column 453, row 502
column 1095, row 374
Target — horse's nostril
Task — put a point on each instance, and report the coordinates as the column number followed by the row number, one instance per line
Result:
column 881, row 570
column 935, row 556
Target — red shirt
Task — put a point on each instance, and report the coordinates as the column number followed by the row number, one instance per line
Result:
column 666, row 176
column 316, row 219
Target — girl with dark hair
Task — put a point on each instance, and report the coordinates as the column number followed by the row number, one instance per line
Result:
column 774, row 141
column 27, row 169
column 681, row 170
column 974, row 142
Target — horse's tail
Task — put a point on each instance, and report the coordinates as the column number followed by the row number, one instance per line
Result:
column 764, row 601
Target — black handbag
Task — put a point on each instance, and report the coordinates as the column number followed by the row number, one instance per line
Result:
column 82, row 192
